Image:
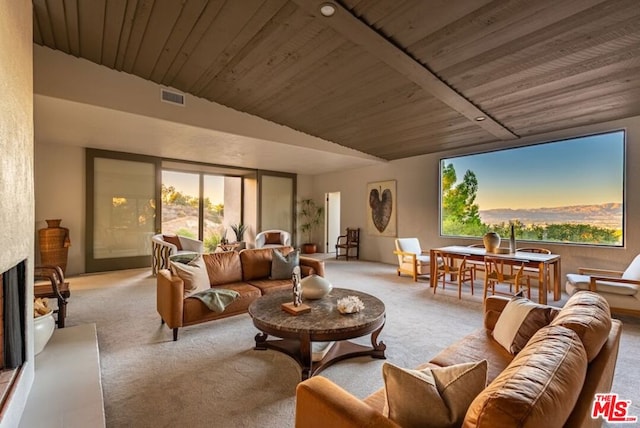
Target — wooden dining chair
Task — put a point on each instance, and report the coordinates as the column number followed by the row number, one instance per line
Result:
column 478, row 266
column 348, row 242
column 495, row 273
column 447, row 266
column 532, row 272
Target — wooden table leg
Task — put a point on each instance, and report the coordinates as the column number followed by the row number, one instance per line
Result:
column 557, row 292
column 542, row 280
column 432, row 268
column 305, row 356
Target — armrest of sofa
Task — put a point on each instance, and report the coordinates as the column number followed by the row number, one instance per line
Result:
column 316, row 265
column 170, row 298
column 321, row 403
column 599, row 379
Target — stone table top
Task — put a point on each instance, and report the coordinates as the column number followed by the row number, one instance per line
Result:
column 324, row 317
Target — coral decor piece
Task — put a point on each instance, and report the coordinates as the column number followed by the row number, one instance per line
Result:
column 350, row 305
column 40, row 307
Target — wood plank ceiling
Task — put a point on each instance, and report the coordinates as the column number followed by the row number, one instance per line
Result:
column 390, row 78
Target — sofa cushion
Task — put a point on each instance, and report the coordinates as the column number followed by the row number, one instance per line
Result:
column 282, row 266
column 223, row 268
column 193, row 275
column 476, row 346
column 256, row 262
column 633, row 270
column 588, row 314
column 436, row 397
column 272, row 238
column 539, row 388
column 519, row 320
column 173, row 239
column 195, row 311
column 267, row 286
column 583, row 282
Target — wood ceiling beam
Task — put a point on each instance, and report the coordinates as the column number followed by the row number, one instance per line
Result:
column 368, row 38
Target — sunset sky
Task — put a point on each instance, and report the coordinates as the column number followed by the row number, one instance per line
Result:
column 188, row 183
column 581, row 171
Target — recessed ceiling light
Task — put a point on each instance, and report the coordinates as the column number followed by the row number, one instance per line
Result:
column 480, row 118
column 327, row 9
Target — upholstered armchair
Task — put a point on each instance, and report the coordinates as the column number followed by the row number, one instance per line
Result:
column 273, row 238
column 164, row 246
column 621, row 289
column 412, row 260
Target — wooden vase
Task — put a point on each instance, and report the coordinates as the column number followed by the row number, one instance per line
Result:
column 54, row 244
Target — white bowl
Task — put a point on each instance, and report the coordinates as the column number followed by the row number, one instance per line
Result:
column 43, row 327
column 315, row 287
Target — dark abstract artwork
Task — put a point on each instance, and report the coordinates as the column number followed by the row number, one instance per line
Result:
column 381, row 208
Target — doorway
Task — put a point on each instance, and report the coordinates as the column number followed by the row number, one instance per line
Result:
column 332, row 221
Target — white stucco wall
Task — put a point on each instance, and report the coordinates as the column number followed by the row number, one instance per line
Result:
column 60, row 193
column 16, row 170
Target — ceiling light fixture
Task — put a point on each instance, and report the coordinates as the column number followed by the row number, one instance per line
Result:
column 327, row 9
column 480, row 118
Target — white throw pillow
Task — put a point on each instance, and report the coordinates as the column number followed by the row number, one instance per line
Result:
column 519, row 321
column 435, row 397
column 193, row 274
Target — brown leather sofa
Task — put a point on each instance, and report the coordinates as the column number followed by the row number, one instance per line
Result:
column 246, row 272
column 550, row 382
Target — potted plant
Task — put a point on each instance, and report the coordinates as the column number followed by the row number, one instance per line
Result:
column 239, row 230
column 309, row 216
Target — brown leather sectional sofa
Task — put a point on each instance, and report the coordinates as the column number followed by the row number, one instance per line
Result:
column 543, row 385
column 246, row 272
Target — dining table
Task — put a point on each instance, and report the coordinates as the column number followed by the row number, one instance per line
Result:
column 544, row 263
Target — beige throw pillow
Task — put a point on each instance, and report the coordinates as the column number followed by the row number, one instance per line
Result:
column 520, row 319
column 193, row 274
column 435, row 397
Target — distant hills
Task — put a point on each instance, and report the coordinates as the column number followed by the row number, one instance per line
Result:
column 604, row 215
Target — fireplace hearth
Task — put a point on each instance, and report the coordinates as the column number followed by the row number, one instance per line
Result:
column 12, row 327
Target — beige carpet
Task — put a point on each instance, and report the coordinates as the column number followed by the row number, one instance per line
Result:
column 212, row 377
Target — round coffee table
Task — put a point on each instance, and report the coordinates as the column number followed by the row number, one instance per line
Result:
column 322, row 324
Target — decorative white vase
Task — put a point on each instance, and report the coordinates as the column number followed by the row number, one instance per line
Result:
column 491, row 241
column 315, row 287
column 43, row 327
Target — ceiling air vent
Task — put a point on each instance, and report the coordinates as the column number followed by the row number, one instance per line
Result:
column 171, row 97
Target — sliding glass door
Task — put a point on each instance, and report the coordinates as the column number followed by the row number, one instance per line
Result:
column 121, row 210
column 277, row 202
column 200, row 205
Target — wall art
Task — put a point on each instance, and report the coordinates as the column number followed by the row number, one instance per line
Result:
column 381, row 208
